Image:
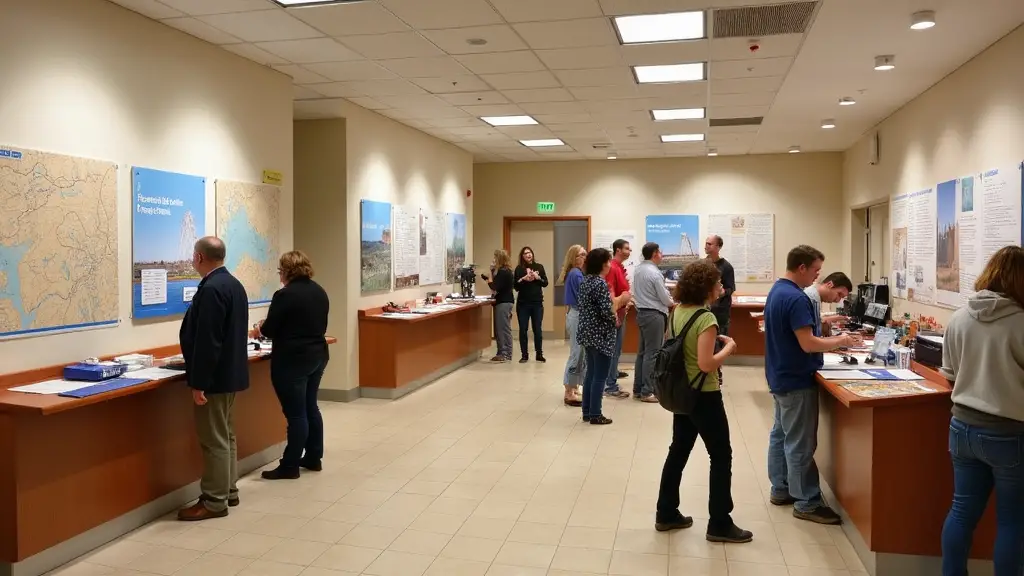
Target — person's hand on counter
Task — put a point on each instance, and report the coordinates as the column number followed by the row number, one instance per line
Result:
column 852, row 340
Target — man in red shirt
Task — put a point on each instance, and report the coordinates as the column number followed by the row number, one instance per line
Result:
column 617, row 284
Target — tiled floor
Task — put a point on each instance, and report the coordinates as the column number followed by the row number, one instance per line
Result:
column 485, row 473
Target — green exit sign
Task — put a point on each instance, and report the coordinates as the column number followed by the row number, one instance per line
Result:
column 545, row 207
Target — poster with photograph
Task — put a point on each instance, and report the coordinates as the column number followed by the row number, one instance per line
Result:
column 947, row 249
column 405, row 246
column 374, row 246
column 921, row 246
column 455, row 245
column 898, row 223
column 748, row 243
column 431, row 247
column 678, row 236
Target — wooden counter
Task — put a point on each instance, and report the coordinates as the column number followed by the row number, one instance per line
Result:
column 399, row 355
column 887, row 461
column 742, row 328
column 68, row 466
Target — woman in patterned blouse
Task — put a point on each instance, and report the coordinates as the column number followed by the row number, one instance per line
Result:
column 596, row 331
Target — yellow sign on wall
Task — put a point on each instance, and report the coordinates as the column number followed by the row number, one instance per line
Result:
column 272, row 177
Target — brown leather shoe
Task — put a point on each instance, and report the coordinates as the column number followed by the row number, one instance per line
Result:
column 199, row 511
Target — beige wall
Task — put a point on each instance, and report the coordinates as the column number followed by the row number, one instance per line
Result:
column 390, row 162
column 971, row 121
column 89, row 78
column 320, row 213
column 804, row 191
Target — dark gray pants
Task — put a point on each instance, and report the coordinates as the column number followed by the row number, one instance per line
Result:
column 503, row 329
column 652, row 336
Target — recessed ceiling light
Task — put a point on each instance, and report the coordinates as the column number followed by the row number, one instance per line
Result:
column 922, row 20
column 794, row 149
column 828, row 124
column 509, row 120
column 885, row 62
column 712, row 151
column 300, row 3
column 847, row 101
column 692, row 72
column 542, row 142
column 678, row 114
column 612, row 156
column 682, row 137
column 660, row 27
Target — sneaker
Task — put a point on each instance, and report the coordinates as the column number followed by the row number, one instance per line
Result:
column 650, row 399
column 821, row 515
column 786, row 500
column 680, row 522
column 734, row 535
column 600, row 420
column 498, row 359
column 572, row 402
column 616, row 394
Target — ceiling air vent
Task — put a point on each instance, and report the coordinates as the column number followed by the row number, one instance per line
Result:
column 720, row 122
column 601, row 146
column 758, row 21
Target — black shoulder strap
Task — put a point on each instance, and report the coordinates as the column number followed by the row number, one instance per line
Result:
column 700, row 312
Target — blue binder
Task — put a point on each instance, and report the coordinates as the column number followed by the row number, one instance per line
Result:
column 106, row 386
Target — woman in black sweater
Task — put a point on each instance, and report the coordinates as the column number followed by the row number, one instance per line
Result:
column 297, row 323
column 530, row 281
column 501, row 283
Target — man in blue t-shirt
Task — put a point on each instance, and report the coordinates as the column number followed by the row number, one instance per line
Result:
column 793, row 354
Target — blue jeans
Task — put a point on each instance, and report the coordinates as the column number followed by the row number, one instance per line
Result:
column 575, row 366
column 597, row 365
column 611, row 383
column 985, row 460
column 296, row 382
column 791, row 446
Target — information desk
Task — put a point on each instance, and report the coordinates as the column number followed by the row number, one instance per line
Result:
column 399, row 355
column 887, row 461
column 77, row 473
column 743, row 328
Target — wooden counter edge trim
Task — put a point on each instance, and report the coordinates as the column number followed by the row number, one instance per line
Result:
column 374, row 314
column 30, row 376
column 851, row 400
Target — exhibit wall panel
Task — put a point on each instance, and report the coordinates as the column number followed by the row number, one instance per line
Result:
column 89, row 78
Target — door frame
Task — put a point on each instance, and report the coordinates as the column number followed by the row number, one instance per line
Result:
column 506, row 233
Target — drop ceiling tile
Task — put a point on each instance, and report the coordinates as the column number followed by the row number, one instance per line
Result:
column 749, row 68
column 359, row 70
column 620, row 76
column 334, row 89
column 368, row 103
column 424, row 113
column 434, row 14
column 717, row 111
column 351, row 19
column 494, row 110
column 452, row 84
column 666, row 53
column 568, row 33
column 538, row 95
column 253, row 53
column 500, row 38
column 749, row 99
column 522, row 80
column 300, row 75
column 206, row 7
column 489, row 137
column 604, row 92
column 393, row 45
column 553, row 107
column 150, row 8
column 473, row 130
column 731, row 139
column 425, row 67
column 310, row 51
column 385, row 87
column 784, row 45
column 553, row 119
column 575, row 58
column 303, row 93
column 474, row 98
column 681, row 126
column 201, row 30
column 501, row 62
column 538, row 10
column 262, row 26
column 576, row 131
column 601, row 107
column 412, row 101
column 743, row 85
column 454, row 122
column 627, row 7
column 636, row 118
column 673, row 90
column 733, row 129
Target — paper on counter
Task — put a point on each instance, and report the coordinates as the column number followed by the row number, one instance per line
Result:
column 833, row 361
column 51, row 387
column 154, row 373
column 844, row 375
column 904, row 374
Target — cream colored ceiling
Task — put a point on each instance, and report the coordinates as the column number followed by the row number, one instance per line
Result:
column 561, row 62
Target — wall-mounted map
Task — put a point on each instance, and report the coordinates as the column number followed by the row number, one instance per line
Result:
column 248, row 221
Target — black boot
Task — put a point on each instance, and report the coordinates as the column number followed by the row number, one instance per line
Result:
column 281, row 473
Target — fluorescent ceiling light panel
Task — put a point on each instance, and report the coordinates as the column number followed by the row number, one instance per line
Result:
column 298, row 3
column 542, row 142
column 682, row 137
column 692, row 72
column 660, row 27
column 678, row 114
column 509, row 120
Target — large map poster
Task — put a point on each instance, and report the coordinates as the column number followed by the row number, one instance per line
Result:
column 58, row 243
column 248, row 221
column 748, row 243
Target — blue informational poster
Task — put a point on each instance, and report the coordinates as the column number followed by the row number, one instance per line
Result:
column 678, row 236
column 168, row 216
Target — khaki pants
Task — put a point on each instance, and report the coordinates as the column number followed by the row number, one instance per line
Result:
column 216, row 430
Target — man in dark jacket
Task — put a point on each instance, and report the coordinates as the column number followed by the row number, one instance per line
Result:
column 213, row 340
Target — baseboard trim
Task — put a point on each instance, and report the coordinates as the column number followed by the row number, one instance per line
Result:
column 90, row 540
column 337, row 395
column 395, row 393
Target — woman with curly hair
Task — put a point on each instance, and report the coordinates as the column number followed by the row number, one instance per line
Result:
column 699, row 286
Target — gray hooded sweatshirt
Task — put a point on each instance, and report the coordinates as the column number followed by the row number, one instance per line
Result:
column 983, row 354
